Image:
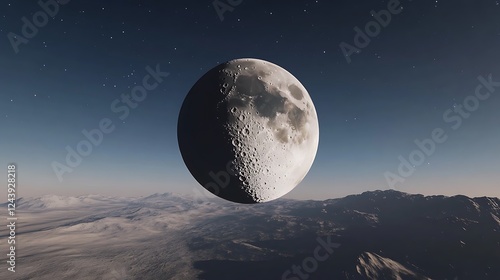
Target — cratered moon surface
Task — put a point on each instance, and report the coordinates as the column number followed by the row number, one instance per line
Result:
column 248, row 131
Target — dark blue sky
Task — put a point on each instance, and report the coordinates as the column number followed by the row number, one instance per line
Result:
column 397, row 89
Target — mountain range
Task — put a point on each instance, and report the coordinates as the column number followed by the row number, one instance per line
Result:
column 373, row 235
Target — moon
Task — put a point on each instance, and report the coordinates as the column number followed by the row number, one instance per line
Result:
column 248, row 131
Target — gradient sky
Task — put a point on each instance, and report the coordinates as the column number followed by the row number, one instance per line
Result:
column 425, row 62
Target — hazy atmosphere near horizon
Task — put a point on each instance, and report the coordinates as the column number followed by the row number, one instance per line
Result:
column 410, row 104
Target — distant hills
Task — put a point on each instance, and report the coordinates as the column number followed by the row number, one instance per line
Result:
column 373, row 235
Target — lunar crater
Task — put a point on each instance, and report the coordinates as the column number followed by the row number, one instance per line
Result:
column 296, row 92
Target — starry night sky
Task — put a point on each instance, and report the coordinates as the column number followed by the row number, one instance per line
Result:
column 395, row 90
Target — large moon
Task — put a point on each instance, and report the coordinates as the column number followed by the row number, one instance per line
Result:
column 248, row 131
